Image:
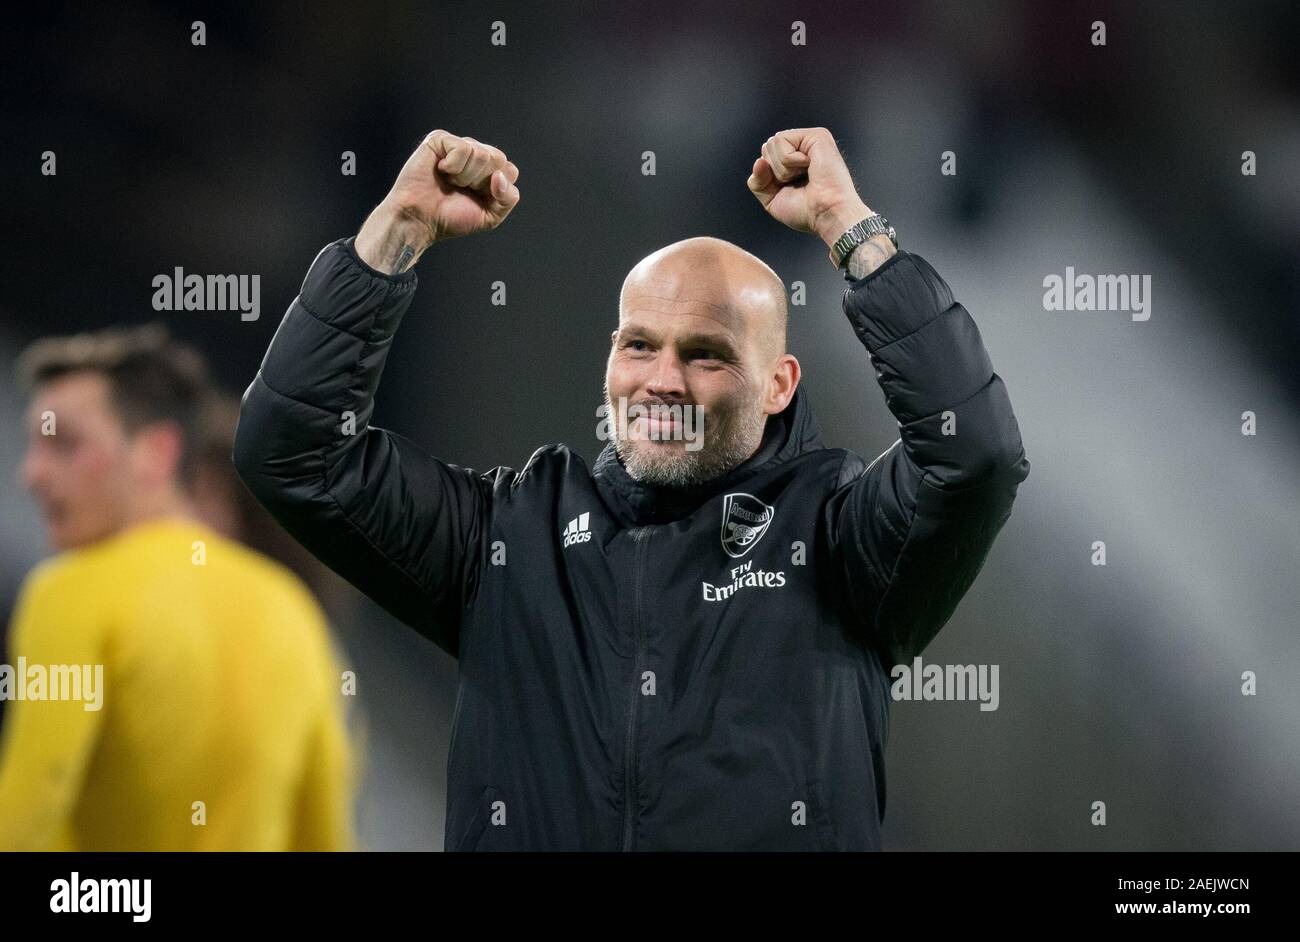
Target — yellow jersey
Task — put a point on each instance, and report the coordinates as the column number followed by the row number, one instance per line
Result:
column 169, row 689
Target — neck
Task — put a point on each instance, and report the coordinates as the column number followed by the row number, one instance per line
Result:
column 160, row 504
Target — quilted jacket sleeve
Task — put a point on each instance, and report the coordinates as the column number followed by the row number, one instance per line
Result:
column 910, row 532
column 402, row 526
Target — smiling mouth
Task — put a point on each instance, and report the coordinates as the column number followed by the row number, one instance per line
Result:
column 655, row 426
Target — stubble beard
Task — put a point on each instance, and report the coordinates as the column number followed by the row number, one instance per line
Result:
column 732, row 431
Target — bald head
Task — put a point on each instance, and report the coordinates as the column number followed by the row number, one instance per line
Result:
column 701, row 324
column 708, row 278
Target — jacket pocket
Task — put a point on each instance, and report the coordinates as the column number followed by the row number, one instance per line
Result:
column 478, row 824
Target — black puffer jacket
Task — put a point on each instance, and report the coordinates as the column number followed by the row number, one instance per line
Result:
column 640, row 668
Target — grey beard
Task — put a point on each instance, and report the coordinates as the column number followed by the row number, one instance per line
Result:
column 652, row 462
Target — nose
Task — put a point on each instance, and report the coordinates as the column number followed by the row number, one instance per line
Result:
column 668, row 381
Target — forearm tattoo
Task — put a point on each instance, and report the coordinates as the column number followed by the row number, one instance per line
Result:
column 868, row 256
column 392, row 242
column 404, row 259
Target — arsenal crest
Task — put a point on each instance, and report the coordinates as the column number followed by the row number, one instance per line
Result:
column 745, row 519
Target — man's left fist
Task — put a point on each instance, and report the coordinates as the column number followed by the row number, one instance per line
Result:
column 802, row 180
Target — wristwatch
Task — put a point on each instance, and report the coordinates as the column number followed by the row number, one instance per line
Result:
column 873, row 225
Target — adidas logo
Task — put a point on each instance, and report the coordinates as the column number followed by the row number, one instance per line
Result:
column 578, row 530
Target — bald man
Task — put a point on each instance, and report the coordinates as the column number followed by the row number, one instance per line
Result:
column 726, row 309
column 688, row 644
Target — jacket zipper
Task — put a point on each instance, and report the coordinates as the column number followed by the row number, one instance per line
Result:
column 642, row 537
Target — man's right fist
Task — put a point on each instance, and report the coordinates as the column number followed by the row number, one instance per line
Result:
column 456, row 186
column 451, row 186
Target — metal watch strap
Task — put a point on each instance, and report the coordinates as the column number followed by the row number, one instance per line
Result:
column 873, row 225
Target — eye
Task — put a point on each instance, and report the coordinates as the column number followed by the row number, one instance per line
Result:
column 636, row 346
column 706, row 355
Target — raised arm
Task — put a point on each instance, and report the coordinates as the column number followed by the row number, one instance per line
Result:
column 908, row 533
column 404, row 527
column 911, row 531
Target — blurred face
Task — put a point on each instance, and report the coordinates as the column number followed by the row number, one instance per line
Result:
column 696, row 334
column 81, row 476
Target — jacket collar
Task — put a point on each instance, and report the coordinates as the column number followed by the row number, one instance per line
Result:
column 788, row 434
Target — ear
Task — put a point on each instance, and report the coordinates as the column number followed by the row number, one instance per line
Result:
column 157, row 449
column 782, row 384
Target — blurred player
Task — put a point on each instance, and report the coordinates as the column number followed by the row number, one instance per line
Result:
column 201, row 707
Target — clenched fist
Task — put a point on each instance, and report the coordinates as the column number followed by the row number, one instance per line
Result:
column 451, row 186
column 801, row 180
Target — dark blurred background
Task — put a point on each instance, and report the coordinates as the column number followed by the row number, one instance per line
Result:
column 1119, row 683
